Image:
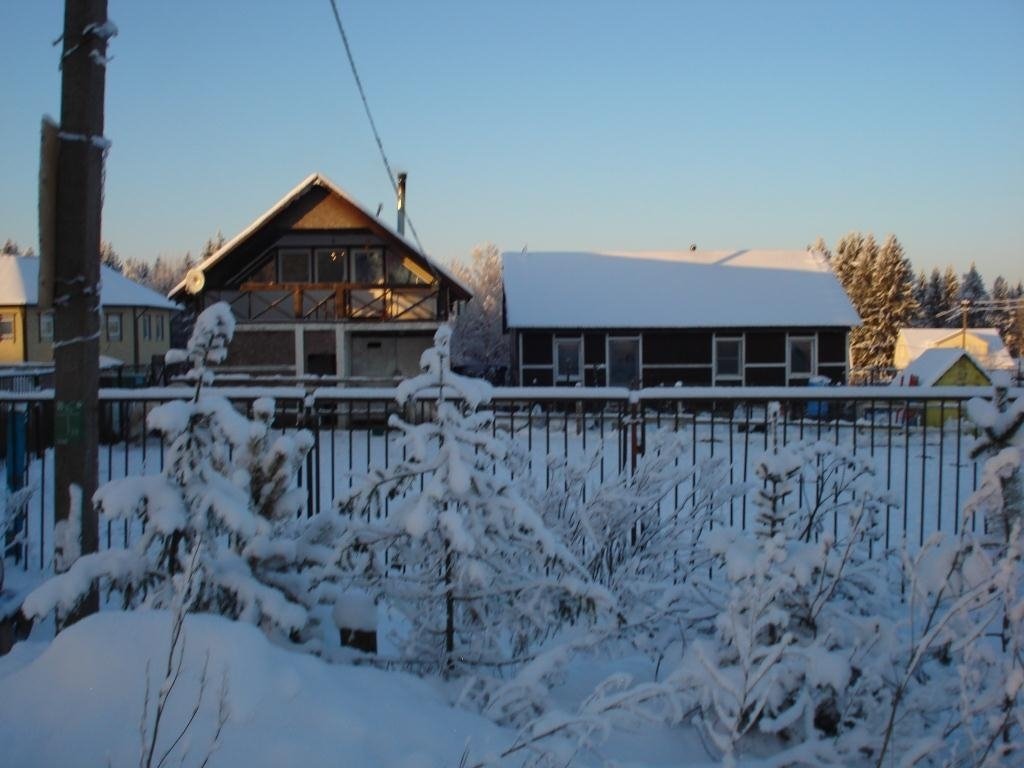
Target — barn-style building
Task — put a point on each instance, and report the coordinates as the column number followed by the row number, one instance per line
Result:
column 691, row 318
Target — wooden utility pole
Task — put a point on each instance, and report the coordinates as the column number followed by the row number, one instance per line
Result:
column 76, row 299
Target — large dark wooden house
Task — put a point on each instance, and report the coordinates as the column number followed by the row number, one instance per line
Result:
column 320, row 286
column 695, row 318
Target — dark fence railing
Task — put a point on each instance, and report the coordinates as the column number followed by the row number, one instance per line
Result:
column 918, row 439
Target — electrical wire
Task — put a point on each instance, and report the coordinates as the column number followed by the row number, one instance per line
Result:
column 369, row 116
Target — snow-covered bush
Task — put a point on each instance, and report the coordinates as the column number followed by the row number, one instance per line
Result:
column 446, row 538
column 999, row 501
column 795, row 606
column 225, row 491
column 957, row 686
column 638, row 532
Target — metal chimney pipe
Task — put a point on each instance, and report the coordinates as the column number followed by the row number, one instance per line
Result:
column 401, row 204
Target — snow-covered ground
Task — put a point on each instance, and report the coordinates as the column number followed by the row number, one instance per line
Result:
column 78, row 701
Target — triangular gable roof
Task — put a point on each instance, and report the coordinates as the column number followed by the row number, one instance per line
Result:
column 932, row 364
column 19, row 286
column 674, row 289
column 917, row 340
column 311, row 181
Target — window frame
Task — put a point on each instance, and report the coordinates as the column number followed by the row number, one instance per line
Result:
column 352, row 265
column 568, row 341
column 344, row 258
column 716, row 358
column 109, row 323
column 282, row 253
column 812, row 358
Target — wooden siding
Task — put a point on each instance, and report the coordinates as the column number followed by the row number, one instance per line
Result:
column 670, row 357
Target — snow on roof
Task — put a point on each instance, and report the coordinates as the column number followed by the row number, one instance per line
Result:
column 930, row 366
column 673, row 289
column 314, row 179
column 917, row 340
column 19, row 285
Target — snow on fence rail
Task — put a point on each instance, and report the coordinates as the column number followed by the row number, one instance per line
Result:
column 918, row 438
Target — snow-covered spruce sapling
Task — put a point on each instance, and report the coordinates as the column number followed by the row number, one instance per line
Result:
column 445, row 536
column 225, row 485
column 796, row 608
column 999, row 501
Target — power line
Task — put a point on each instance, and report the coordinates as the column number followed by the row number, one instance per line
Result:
column 369, row 116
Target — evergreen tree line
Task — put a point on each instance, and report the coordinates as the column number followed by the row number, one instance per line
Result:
column 888, row 295
column 161, row 275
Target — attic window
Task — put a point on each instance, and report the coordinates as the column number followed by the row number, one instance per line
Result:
column 331, row 265
column 367, row 266
column 404, row 271
column 293, row 265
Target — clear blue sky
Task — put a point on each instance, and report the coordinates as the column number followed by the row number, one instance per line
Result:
column 555, row 125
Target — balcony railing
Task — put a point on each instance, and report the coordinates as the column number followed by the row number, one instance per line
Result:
column 318, row 302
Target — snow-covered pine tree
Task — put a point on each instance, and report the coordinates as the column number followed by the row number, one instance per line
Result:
column 226, row 486
column 1014, row 334
column 921, row 319
column 950, row 298
column 109, row 257
column 478, row 338
column 445, row 537
column 973, row 289
column 868, row 302
column 883, row 293
column 820, row 247
column 934, row 301
column 844, row 260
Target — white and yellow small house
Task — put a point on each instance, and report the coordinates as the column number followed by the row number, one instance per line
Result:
column 943, row 367
column 984, row 344
column 136, row 320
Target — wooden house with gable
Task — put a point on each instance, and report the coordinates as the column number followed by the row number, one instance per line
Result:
column 697, row 318
column 320, row 286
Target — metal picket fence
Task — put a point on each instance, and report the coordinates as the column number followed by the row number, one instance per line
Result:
column 918, row 438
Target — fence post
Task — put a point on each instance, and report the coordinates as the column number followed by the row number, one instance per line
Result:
column 17, row 461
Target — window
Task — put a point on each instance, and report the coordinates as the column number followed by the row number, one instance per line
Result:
column 404, row 271
column 159, row 322
column 114, row 326
column 46, row 326
column 331, row 265
column 567, row 360
column 801, row 355
column 147, row 327
column 6, row 327
column 293, row 265
column 624, row 362
column 729, row 358
column 367, row 266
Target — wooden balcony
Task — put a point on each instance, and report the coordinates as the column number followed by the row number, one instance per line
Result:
column 326, row 302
